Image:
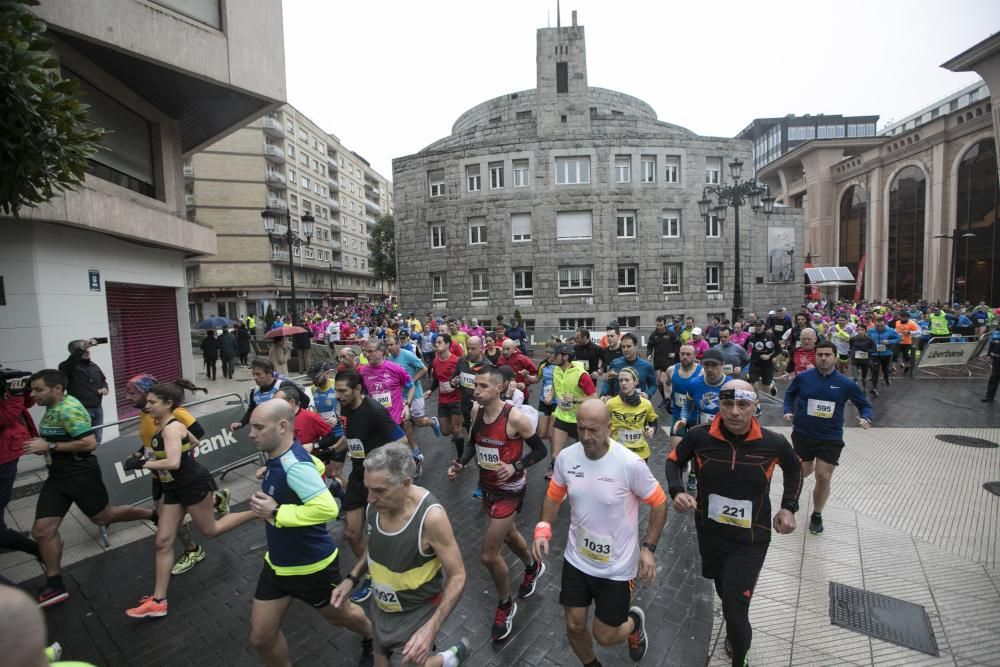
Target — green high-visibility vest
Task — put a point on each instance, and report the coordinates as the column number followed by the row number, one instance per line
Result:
column 939, row 324
column 567, row 383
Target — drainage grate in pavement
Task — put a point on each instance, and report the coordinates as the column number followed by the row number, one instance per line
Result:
column 882, row 617
column 26, row 490
column 992, row 487
column 966, row 441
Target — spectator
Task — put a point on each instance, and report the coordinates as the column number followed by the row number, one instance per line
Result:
column 16, row 428
column 229, row 349
column 279, row 355
column 86, row 380
column 209, row 353
column 243, row 337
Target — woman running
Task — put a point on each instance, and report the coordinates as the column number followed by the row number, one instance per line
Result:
column 633, row 419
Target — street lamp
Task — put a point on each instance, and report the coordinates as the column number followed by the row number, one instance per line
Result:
column 955, row 236
column 270, row 218
column 735, row 195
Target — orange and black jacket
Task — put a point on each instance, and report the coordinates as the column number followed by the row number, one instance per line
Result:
column 738, row 468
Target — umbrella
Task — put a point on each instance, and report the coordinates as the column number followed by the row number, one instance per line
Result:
column 215, row 323
column 284, row 331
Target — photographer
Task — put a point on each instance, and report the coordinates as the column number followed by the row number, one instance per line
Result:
column 87, row 383
column 16, row 426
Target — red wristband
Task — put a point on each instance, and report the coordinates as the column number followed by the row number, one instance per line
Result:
column 543, row 530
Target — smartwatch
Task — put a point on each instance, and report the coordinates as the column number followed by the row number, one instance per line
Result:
column 650, row 546
column 52, row 446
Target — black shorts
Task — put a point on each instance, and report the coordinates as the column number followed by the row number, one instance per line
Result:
column 188, row 494
column 611, row 598
column 314, row 589
column 158, row 488
column 809, row 448
column 446, row 410
column 567, row 427
column 662, row 367
column 330, row 454
column 843, row 358
column 762, row 372
column 356, row 493
column 87, row 490
column 545, row 409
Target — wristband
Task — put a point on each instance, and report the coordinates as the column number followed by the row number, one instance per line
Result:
column 354, row 580
column 543, row 530
column 518, row 465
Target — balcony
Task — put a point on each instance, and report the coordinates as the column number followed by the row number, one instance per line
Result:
column 332, row 182
column 277, row 202
column 188, row 171
column 335, row 245
column 331, row 161
column 274, row 153
column 272, row 126
column 274, row 177
column 372, row 207
column 190, row 201
column 796, row 186
column 279, row 255
column 334, row 204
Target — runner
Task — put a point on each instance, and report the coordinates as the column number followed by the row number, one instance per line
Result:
column 414, row 366
column 386, row 382
column 267, row 382
column 546, row 401
column 734, row 358
column 602, row 556
column 464, row 379
column 803, row 357
column 572, row 384
column 443, row 370
column 187, row 488
column 301, row 559
column 67, row 441
column 906, row 328
column 367, row 426
column 524, row 368
column 862, row 350
column 324, row 403
column 629, row 358
column 415, row 564
column 884, row 338
column 814, row 402
column 993, row 355
column 764, row 346
column 733, row 507
column 679, row 380
column 702, row 402
column 840, row 336
column 499, row 433
column 661, row 349
column 633, row 419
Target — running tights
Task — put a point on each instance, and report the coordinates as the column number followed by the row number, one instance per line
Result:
column 735, row 576
column 882, row 363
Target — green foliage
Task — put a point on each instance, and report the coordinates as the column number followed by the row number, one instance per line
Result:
column 46, row 139
column 269, row 317
column 384, row 248
column 517, row 315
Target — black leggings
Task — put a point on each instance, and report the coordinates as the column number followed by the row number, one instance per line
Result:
column 880, row 363
column 734, row 568
column 862, row 369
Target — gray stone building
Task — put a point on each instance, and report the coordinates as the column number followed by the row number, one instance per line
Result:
column 575, row 205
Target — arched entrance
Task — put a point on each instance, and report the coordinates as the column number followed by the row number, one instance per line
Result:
column 852, row 232
column 907, row 207
column 976, row 212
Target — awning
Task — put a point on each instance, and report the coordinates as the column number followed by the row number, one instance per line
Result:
column 830, row 276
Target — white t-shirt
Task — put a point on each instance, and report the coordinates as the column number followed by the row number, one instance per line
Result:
column 604, row 497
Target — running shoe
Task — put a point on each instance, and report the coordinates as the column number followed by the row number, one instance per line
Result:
column 49, row 596
column 222, row 499
column 478, row 493
column 774, row 390
column 436, row 425
column 503, row 623
column 815, row 523
column 363, row 591
column 336, row 490
column 148, row 608
column 188, row 560
column 888, row 382
column 873, row 393
column 692, row 485
column 531, row 575
column 418, row 460
column 637, row 640
column 461, row 650
column 53, row 652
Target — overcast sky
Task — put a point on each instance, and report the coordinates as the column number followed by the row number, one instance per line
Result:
column 389, row 77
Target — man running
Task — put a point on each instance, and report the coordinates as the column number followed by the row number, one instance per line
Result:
column 415, row 564
column 884, row 339
column 814, row 403
column 906, row 328
column 324, row 403
column 465, row 376
column 661, row 349
column 499, row 433
column 66, row 439
column 571, row 385
column 386, row 382
column 803, row 357
column 702, row 402
column 414, row 366
column 443, row 370
column 734, row 358
column 605, row 483
column 301, row 559
column 679, row 378
column 525, row 370
column 629, row 358
column 764, row 346
column 734, row 457
column 267, row 383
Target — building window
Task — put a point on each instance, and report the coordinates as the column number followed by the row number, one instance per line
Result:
column 472, row 178
column 713, row 277
column 623, row 169
column 574, row 224
column 576, row 281
column 905, row 262
column 572, row 170
column 520, row 168
column 480, row 284
column 713, row 170
column 477, row 230
column 571, row 324
column 648, row 168
column 713, row 229
column 628, row 279
column 671, row 223
column 523, row 283
column 629, row 322
column 625, row 221
column 671, row 278
column 438, row 236
column 436, row 180
column 672, row 173
column 496, row 175
column 520, row 227
column 562, row 77
column 291, row 175
column 439, row 286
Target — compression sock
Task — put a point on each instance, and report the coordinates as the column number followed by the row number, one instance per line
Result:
column 55, row 581
column 593, row 663
column 448, row 658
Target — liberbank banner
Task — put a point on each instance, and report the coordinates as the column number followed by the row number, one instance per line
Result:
column 950, row 354
column 218, row 449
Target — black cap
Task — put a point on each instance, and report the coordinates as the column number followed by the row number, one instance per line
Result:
column 712, row 356
column 613, row 324
column 565, row 349
column 317, row 368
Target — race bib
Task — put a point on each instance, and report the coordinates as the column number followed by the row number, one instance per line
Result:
column 821, row 409
column 384, row 399
column 386, row 598
column 566, row 403
column 330, row 418
column 860, row 355
column 880, row 347
column 489, row 457
column 164, row 476
column 727, row 369
column 355, row 448
column 629, row 437
column 547, row 393
column 705, row 418
column 680, row 400
column 593, row 546
column 779, row 327
column 467, row 380
column 737, row 513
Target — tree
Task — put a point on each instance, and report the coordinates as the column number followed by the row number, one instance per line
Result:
column 384, row 248
column 47, row 140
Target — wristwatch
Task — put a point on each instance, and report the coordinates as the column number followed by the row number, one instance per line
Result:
column 354, row 580
column 791, row 507
column 650, row 546
column 52, row 446
column 274, row 512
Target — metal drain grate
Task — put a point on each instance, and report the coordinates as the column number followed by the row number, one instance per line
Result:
column 992, row 487
column 966, row 441
column 882, row 617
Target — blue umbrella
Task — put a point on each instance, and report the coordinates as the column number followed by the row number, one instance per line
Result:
column 215, row 323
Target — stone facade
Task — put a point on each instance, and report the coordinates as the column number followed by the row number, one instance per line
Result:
column 520, row 144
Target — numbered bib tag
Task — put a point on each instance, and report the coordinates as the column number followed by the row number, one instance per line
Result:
column 330, row 418
column 164, row 476
column 705, row 418
column 880, row 347
column 547, row 392
column 386, row 598
column 737, row 513
column 384, row 399
column 779, row 327
column 860, row 355
column 467, row 380
column 822, row 409
column 593, row 546
column 489, row 457
column 630, row 437
column 565, row 403
column 355, row 448
column 680, row 400
column 727, row 369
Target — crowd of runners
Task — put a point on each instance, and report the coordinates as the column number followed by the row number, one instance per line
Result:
column 588, row 412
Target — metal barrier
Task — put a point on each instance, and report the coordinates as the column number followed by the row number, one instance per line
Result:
column 945, row 351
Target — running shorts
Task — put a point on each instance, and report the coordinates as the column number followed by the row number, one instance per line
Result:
column 611, row 598
column 762, row 372
column 567, row 427
column 189, row 493
column 417, row 407
column 446, row 410
column 809, row 449
column 545, row 409
column 501, row 505
column 391, row 631
column 87, row 490
column 314, row 589
column 356, row 493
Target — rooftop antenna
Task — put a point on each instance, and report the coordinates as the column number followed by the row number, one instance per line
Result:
column 558, row 15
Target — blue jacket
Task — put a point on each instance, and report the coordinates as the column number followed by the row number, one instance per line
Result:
column 809, row 396
column 647, row 376
column 703, row 400
column 884, row 341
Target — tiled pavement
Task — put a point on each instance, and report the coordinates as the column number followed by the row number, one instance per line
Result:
column 908, row 518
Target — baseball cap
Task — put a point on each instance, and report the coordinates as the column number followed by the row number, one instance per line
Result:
column 317, row 368
column 613, row 324
column 712, row 356
column 565, row 349
column 770, row 312
column 696, row 331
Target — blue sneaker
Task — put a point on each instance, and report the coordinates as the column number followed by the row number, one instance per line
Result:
column 363, row 591
column 478, row 493
column 418, row 460
column 436, row 425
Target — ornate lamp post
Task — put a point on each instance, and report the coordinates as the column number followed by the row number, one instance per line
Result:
column 270, row 218
column 735, row 195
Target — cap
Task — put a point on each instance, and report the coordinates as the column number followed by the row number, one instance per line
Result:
column 317, row 368
column 770, row 312
column 613, row 324
column 565, row 349
column 696, row 331
column 141, row 384
column 712, row 356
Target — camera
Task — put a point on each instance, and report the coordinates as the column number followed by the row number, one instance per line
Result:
column 8, row 374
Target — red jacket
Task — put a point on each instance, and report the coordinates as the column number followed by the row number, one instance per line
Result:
column 16, row 426
column 519, row 362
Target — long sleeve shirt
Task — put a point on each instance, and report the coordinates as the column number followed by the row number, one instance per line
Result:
column 817, row 404
column 647, row 376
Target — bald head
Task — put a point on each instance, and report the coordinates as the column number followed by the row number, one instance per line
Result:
column 737, row 405
column 474, row 347
column 739, row 384
column 22, row 629
column 272, row 426
column 593, row 426
column 508, row 348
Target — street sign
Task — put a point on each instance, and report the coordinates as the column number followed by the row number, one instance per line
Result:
column 95, row 280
